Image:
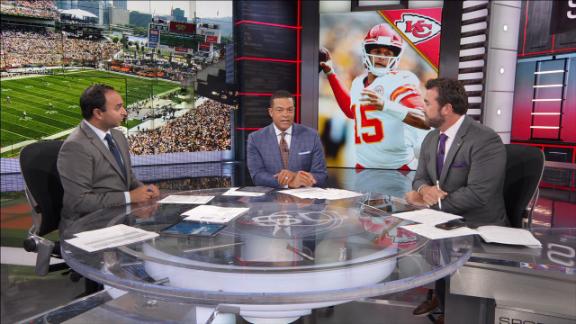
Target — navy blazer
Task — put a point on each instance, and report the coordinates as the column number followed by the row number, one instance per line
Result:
column 264, row 159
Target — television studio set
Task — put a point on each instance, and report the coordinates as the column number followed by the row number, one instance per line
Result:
column 288, row 161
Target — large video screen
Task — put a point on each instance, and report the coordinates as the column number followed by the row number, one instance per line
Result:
column 177, row 111
column 392, row 53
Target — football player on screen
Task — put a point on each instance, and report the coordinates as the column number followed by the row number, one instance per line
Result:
column 384, row 103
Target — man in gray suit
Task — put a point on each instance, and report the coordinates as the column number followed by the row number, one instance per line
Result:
column 462, row 164
column 94, row 162
column 284, row 154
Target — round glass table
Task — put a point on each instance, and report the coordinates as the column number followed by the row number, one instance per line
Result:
column 274, row 263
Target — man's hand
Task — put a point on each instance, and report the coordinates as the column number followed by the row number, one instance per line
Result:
column 414, row 198
column 371, row 98
column 284, row 177
column 144, row 193
column 302, row 179
column 431, row 194
column 324, row 59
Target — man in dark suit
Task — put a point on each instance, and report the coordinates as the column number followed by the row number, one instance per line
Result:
column 462, row 163
column 461, row 169
column 94, row 161
column 284, row 154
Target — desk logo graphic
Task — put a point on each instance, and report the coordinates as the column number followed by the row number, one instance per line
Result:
column 299, row 223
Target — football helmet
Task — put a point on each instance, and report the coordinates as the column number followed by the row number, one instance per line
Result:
column 382, row 35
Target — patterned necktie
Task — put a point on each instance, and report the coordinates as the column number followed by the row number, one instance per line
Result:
column 284, row 150
column 441, row 153
column 115, row 152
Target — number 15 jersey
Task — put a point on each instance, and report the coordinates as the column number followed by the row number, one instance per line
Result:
column 383, row 140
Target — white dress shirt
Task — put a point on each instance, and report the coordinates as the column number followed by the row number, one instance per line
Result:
column 287, row 137
column 451, row 133
column 101, row 134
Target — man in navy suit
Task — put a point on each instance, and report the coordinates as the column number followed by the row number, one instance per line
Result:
column 284, row 154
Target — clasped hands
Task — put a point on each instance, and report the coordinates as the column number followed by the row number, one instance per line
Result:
column 295, row 179
column 428, row 196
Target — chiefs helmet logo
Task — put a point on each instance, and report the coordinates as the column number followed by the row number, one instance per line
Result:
column 418, row 28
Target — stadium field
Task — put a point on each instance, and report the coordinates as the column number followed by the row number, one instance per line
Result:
column 36, row 107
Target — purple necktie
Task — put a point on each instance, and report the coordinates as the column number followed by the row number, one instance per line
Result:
column 441, row 153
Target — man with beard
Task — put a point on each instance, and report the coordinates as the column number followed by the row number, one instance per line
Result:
column 462, row 166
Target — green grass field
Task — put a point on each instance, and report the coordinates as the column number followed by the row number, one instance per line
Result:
column 46, row 105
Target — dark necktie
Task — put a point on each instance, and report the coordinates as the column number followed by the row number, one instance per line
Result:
column 441, row 153
column 284, row 150
column 116, row 153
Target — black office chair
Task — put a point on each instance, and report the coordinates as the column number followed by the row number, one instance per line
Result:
column 44, row 192
column 524, row 169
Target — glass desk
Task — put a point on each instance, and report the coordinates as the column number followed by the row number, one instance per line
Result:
column 274, row 263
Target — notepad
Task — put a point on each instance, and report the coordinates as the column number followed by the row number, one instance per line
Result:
column 213, row 214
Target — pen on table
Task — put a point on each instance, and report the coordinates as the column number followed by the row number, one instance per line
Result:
column 439, row 201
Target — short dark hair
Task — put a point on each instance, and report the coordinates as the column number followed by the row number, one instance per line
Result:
column 450, row 91
column 94, row 97
column 280, row 94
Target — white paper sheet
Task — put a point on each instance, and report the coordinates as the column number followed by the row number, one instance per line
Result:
column 117, row 235
column 319, row 193
column 184, row 199
column 431, row 232
column 490, row 234
column 213, row 214
column 235, row 192
column 427, row 216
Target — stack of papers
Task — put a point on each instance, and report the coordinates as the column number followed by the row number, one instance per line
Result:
column 109, row 237
column 213, row 214
column 183, row 199
column 236, row 192
column 490, row 234
column 319, row 193
column 427, row 216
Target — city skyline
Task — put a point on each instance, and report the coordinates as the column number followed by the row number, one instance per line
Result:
column 204, row 9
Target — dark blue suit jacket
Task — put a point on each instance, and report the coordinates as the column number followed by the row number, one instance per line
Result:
column 306, row 154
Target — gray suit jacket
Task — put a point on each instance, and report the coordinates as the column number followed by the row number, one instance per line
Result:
column 306, row 154
column 90, row 175
column 473, row 173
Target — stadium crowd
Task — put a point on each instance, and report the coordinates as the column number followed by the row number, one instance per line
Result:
column 31, row 47
column 29, row 8
column 206, row 128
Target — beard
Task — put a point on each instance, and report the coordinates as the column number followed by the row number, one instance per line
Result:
column 435, row 122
